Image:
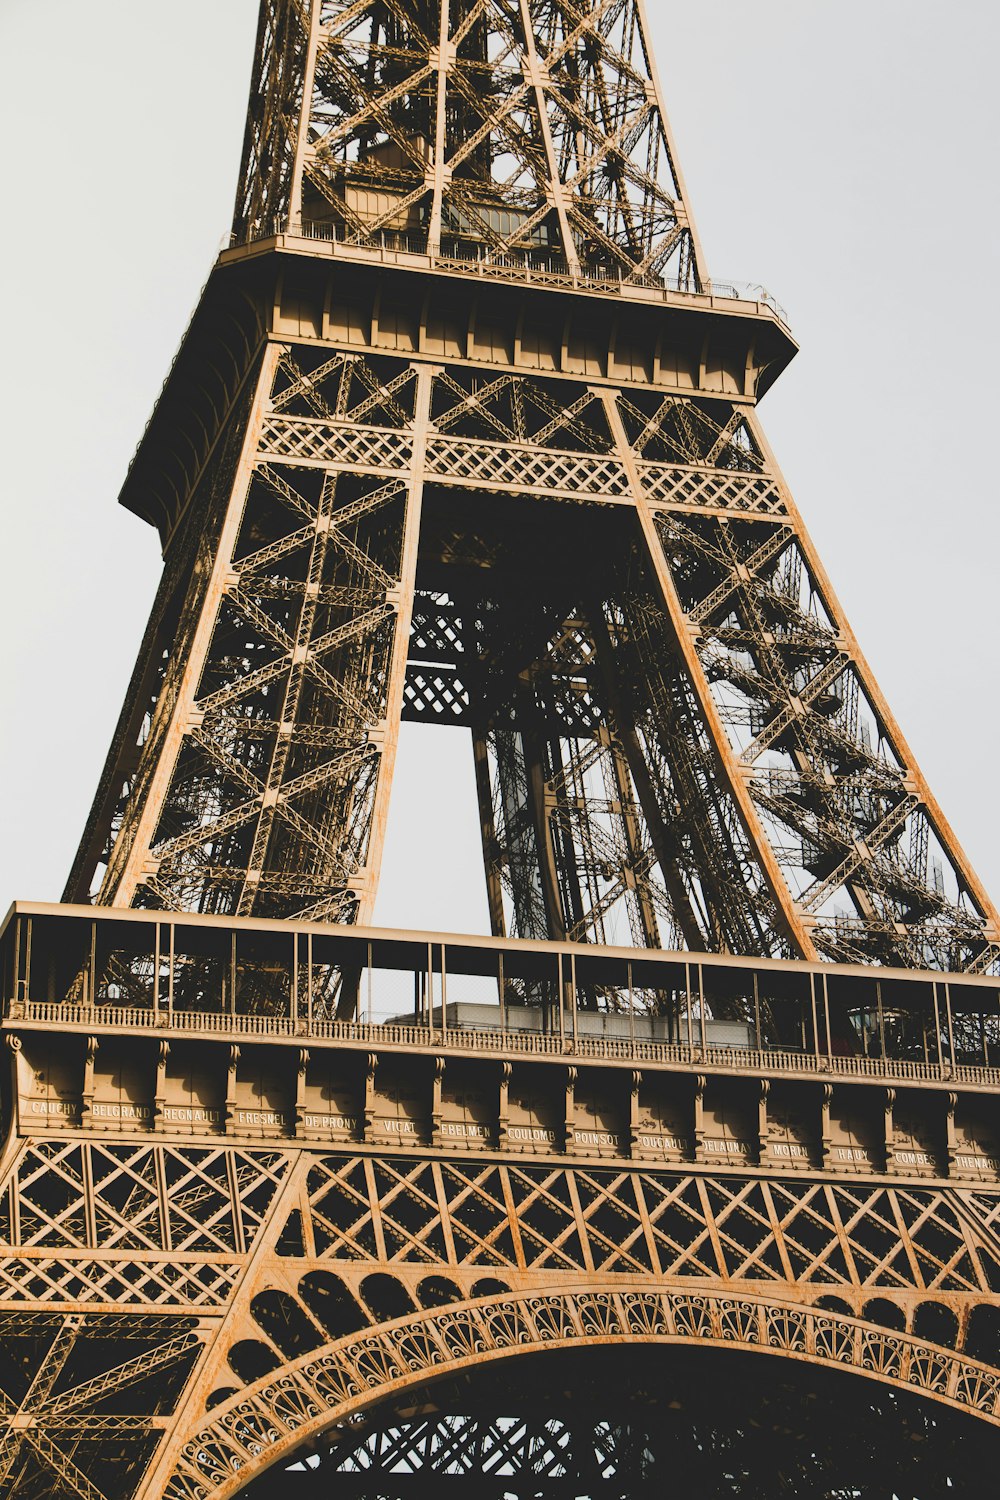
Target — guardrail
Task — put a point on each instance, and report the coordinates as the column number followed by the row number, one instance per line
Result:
column 552, row 271
column 497, row 1040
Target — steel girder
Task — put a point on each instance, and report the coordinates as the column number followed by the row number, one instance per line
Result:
column 177, row 1317
column 676, row 737
column 531, row 132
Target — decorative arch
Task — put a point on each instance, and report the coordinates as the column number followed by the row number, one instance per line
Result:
column 269, row 1420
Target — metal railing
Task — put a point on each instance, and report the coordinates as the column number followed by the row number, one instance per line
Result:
column 497, row 1040
column 549, row 269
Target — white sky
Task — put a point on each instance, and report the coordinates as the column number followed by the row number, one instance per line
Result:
column 842, row 154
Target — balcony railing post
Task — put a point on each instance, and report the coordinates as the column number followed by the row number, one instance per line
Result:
column 22, row 987
column 951, row 1029
column 503, row 995
column 687, row 1003
column 90, row 969
column 631, row 1006
column 559, row 987
column 573, row 996
column 295, row 980
column 444, row 997
column 170, row 978
column 429, row 977
column 232, row 974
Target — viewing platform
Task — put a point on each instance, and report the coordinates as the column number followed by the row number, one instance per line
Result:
column 215, row 1025
column 544, row 267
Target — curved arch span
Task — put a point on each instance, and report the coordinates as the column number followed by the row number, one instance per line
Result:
column 269, row 1420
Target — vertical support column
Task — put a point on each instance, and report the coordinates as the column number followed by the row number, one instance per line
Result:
column 302, row 134
column 633, row 1112
column 825, row 1132
column 913, row 775
column 300, row 1089
column 732, row 774
column 569, row 1112
column 487, row 824
column 438, row 172
column 87, row 1092
column 540, row 805
column 555, row 189
column 630, row 767
column 129, row 863
column 937, row 1026
column 14, row 1073
column 698, row 1118
column 951, row 1135
column 160, row 1091
column 368, row 883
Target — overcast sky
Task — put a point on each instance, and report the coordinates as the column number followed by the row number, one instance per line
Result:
column 843, row 155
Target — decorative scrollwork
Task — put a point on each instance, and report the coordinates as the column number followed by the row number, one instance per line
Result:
column 882, row 1351
column 786, row 1329
column 693, row 1317
column 833, row 1341
column 738, row 1321
column 599, row 1317
column 647, row 1314
column 977, row 1388
column 274, row 1417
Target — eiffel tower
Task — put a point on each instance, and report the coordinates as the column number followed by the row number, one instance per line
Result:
column 689, row 1174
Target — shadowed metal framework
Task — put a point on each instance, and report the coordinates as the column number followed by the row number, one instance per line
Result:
column 490, row 128
column 501, row 481
column 462, row 433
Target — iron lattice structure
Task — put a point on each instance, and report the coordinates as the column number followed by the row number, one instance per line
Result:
column 462, row 433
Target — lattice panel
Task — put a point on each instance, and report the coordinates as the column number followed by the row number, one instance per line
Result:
column 667, row 1224
column 713, row 489
column 551, row 144
column 560, row 417
column 148, row 1225
column 490, row 466
column 269, row 143
column 302, row 440
column 258, row 779
column 857, row 846
column 83, row 1400
column 596, row 1427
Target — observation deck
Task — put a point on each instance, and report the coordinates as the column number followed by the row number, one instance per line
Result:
column 543, row 267
column 170, row 1024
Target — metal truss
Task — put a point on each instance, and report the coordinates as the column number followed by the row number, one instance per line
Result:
column 529, row 133
column 460, row 433
column 640, row 1423
column 676, row 739
column 258, row 758
column 174, row 1318
column 84, row 1401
